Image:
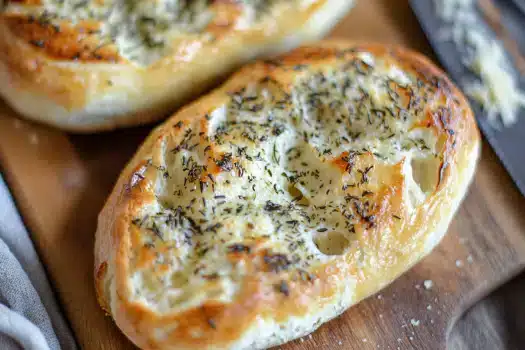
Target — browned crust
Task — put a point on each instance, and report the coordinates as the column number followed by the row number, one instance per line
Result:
column 25, row 2
column 100, row 277
column 455, row 124
column 80, row 43
column 62, row 42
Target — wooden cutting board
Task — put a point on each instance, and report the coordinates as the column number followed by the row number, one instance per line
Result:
column 60, row 182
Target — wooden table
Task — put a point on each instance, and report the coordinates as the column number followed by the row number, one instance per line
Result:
column 60, row 182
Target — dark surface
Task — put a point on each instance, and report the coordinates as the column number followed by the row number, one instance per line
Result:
column 520, row 4
column 508, row 143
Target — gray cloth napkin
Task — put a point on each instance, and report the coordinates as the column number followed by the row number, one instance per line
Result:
column 29, row 314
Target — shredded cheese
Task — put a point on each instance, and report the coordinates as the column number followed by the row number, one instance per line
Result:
column 496, row 88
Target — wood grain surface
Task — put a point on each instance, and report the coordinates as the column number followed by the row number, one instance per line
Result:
column 60, row 182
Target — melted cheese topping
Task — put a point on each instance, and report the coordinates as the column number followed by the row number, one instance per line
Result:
column 497, row 89
column 290, row 173
column 144, row 31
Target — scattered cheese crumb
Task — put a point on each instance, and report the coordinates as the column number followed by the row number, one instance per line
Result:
column 432, row 321
column 364, row 340
column 459, row 263
column 414, row 322
column 74, row 177
column 418, row 286
column 310, row 336
column 340, row 342
column 379, row 296
column 302, row 340
column 429, row 307
column 411, row 338
column 428, row 284
column 470, row 259
column 33, row 138
column 399, row 340
column 380, row 315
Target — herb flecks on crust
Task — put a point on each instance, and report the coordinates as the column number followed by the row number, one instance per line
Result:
column 284, row 177
column 141, row 31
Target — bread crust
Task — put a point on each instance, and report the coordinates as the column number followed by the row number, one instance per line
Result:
column 63, row 75
column 274, row 302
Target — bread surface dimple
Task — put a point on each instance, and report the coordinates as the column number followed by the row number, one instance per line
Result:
column 302, row 185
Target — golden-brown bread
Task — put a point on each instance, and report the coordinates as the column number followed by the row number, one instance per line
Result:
column 301, row 186
column 86, row 65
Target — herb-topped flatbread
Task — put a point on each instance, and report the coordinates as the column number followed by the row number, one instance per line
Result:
column 301, row 186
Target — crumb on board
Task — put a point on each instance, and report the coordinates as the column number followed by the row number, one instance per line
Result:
column 418, row 286
column 380, row 315
column 459, row 263
column 73, row 177
column 429, row 307
column 414, row 322
column 364, row 340
column 340, row 342
column 310, row 336
column 33, row 138
column 379, row 296
column 470, row 259
column 428, row 284
column 411, row 338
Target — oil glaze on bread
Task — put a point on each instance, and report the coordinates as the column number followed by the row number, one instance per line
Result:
column 87, row 65
column 301, row 186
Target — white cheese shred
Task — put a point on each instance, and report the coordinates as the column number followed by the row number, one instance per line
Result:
column 497, row 87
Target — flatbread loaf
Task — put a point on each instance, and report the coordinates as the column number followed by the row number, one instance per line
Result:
column 268, row 207
column 91, row 65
